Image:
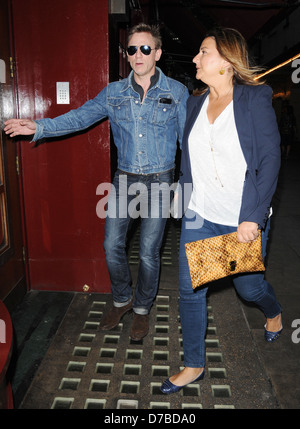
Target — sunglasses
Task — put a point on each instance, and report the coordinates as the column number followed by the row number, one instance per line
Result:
column 145, row 49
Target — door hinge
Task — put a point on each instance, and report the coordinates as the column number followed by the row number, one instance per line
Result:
column 24, row 255
column 11, row 66
column 17, row 165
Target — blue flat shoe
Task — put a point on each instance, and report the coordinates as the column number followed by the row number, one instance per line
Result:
column 272, row 336
column 168, row 387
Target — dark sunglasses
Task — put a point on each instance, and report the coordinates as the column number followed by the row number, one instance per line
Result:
column 145, row 49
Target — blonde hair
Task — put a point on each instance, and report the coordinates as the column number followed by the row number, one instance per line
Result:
column 232, row 46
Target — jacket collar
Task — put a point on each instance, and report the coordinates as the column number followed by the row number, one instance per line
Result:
column 237, row 92
column 162, row 81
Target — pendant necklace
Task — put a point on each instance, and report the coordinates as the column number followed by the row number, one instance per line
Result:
column 213, row 155
column 212, row 147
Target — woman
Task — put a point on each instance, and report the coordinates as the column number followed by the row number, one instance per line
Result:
column 231, row 155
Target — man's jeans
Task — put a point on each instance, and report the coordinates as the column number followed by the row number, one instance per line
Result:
column 192, row 304
column 136, row 196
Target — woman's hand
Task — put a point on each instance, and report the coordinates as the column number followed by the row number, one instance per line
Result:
column 247, row 231
column 24, row 127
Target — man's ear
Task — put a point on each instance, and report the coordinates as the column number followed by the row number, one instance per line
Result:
column 158, row 54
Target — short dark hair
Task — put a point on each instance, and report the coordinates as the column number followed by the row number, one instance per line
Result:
column 145, row 28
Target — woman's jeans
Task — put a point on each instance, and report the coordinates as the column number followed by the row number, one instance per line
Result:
column 136, row 196
column 192, row 303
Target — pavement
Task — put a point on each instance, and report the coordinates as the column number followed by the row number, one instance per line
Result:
column 281, row 359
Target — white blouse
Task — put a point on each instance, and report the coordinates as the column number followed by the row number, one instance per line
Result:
column 218, row 167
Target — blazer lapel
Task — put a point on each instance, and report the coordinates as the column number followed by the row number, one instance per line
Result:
column 193, row 115
column 196, row 110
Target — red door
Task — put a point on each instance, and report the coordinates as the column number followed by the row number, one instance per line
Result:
column 58, row 42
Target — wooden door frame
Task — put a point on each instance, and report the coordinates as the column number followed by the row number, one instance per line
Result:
column 13, row 270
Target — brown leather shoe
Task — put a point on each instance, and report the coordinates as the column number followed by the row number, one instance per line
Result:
column 140, row 326
column 113, row 317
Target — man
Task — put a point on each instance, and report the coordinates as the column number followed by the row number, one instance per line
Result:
column 147, row 115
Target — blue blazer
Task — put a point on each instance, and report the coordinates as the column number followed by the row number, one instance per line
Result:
column 260, row 142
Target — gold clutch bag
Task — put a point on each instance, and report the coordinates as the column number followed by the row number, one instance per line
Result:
column 218, row 257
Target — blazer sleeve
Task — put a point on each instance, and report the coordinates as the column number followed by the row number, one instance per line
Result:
column 266, row 154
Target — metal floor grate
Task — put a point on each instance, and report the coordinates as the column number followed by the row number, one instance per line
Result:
column 92, row 369
column 86, row 368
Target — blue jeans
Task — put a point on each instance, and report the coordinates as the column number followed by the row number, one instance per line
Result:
column 136, row 196
column 251, row 287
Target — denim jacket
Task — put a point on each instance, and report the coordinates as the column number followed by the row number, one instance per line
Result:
column 145, row 133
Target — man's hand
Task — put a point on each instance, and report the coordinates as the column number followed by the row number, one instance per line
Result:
column 247, row 231
column 16, row 127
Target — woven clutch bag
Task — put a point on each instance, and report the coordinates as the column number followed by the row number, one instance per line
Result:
column 218, row 257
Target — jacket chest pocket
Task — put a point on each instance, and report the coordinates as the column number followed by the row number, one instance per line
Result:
column 119, row 109
column 164, row 110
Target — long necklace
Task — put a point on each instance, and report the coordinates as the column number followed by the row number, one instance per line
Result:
column 211, row 144
column 213, row 155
